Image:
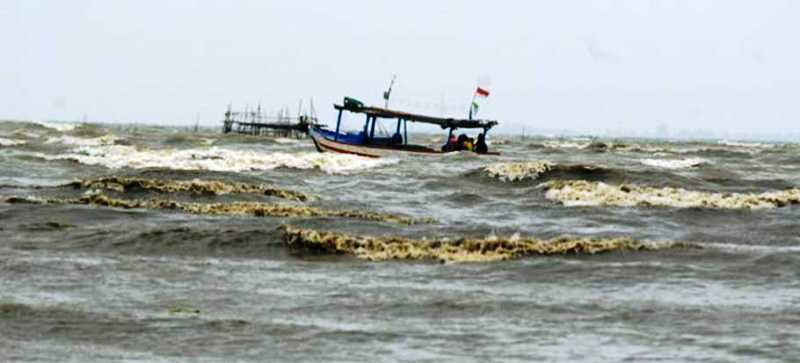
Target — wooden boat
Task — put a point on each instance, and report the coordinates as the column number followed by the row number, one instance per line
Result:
column 365, row 143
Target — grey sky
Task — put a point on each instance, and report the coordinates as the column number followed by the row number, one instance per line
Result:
column 580, row 65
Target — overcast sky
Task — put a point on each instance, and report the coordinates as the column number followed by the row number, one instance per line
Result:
column 586, row 66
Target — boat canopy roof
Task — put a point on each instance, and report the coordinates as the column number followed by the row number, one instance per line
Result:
column 445, row 123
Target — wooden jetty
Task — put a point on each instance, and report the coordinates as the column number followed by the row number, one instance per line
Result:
column 256, row 123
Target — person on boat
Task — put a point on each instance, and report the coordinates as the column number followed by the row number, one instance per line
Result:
column 451, row 144
column 480, row 146
column 469, row 143
column 461, row 142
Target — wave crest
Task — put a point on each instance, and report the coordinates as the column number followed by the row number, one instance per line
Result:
column 583, row 193
column 752, row 145
column 104, row 140
column 195, row 186
column 216, row 159
column 511, row 172
column 459, row 250
column 11, row 142
column 675, row 163
column 541, row 169
column 258, row 209
column 58, row 126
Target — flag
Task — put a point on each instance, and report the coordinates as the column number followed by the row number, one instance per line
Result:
column 481, row 92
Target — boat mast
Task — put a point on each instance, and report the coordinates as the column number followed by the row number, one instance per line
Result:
column 388, row 92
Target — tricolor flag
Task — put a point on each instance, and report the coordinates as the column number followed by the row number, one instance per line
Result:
column 481, row 92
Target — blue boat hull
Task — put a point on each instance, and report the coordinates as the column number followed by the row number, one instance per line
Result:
column 354, row 143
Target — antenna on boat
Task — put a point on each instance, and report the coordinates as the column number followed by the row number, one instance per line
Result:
column 388, row 92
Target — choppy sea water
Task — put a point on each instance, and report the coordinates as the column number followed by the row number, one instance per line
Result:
column 158, row 244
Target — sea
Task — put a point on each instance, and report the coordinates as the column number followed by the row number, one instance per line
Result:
column 164, row 244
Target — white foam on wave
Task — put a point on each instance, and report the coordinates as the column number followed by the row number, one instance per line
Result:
column 754, row 145
column 574, row 193
column 80, row 141
column 518, row 171
column 11, row 142
column 216, row 159
column 667, row 150
column 283, row 140
column 751, row 248
column 25, row 134
column 675, row 163
column 642, row 148
column 62, row 127
column 563, row 144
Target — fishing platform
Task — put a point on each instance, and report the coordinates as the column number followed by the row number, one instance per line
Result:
column 257, row 123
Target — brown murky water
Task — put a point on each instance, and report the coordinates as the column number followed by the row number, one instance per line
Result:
column 158, row 244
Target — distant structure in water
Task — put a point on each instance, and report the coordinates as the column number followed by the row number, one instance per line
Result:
column 282, row 125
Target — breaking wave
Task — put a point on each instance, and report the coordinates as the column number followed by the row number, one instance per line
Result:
column 80, row 141
column 21, row 133
column 675, row 163
column 58, row 126
column 543, row 170
column 753, row 145
column 463, row 249
column 596, row 145
column 11, row 142
column 257, row 209
column 583, row 193
column 195, row 186
column 511, row 172
column 188, row 139
column 216, row 159
column 642, row 148
column 284, row 140
column 722, row 148
column 566, row 144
